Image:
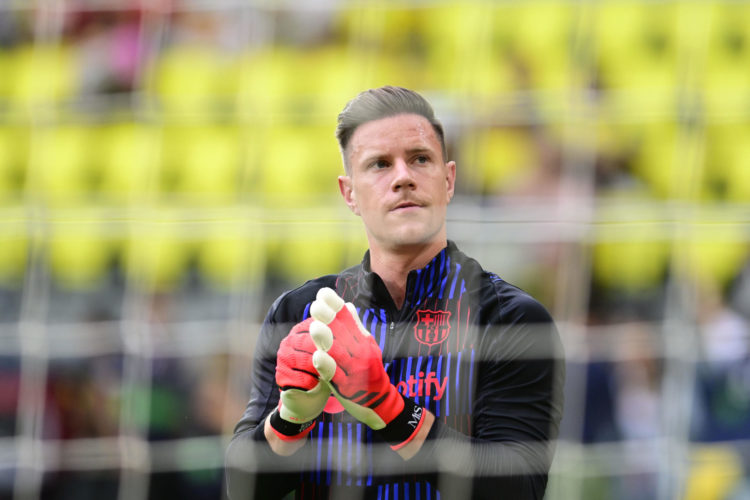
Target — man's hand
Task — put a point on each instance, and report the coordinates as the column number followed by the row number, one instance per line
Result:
column 303, row 396
column 349, row 359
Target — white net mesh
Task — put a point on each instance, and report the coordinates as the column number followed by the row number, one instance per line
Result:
column 164, row 165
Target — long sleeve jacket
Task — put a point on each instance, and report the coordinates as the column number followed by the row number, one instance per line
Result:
column 480, row 354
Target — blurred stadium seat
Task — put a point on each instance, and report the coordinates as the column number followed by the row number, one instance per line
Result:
column 451, row 37
column 658, row 161
column 712, row 251
column 14, row 232
column 726, row 77
column 715, row 473
column 158, row 249
column 231, row 254
column 330, row 72
column 300, row 249
column 126, row 161
column 632, row 251
column 299, row 165
column 61, row 169
column 80, row 248
column 631, row 266
column 728, row 161
column 268, row 83
column 14, row 150
column 14, row 246
column 390, row 43
column 36, row 75
column 635, row 52
column 385, row 28
column 543, row 36
column 495, row 157
column 206, row 163
column 192, row 82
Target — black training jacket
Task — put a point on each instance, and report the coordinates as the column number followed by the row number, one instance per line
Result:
column 480, row 354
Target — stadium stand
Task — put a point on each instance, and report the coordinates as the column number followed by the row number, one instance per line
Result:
column 167, row 168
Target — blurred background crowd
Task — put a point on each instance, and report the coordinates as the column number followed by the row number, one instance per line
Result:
column 168, row 167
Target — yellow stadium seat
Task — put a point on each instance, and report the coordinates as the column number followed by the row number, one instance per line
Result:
column 14, row 150
column 380, row 68
column 60, row 163
column 492, row 67
column 631, row 255
column 299, row 164
column 453, row 37
column 715, row 471
column 726, row 75
column 493, row 158
column 6, row 67
column 37, row 75
column 728, row 160
column 334, row 74
column 281, row 83
column 632, row 264
column 385, row 27
column 266, row 83
column 14, row 245
column 494, row 79
column 659, row 161
column 80, row 249
column 391, row 46
column 543, row 37
column 127, row 155
column 192, row 80
column 713, row 251
column 636, row 53
column 315, row 242
column 693, row 27
column 208, row 163
column 159, row 248
column 230, row 253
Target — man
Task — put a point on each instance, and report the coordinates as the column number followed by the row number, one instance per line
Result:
column 415, row 374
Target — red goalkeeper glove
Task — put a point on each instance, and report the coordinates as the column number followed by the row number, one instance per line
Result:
column 350, row 360
column 303, row 396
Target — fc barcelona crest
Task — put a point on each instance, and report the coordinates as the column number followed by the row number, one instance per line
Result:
column 432, row 326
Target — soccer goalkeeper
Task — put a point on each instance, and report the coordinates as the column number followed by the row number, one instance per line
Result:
column 415, row 374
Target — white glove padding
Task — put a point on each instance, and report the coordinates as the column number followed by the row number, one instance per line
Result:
column 303, row 396
column 300, row 406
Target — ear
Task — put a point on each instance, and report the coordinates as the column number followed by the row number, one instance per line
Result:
column 450, row 179
column 347, row 192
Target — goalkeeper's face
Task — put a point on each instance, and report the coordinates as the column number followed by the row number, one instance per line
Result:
column 399, row 182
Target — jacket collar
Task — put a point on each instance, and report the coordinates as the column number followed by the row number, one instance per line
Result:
column 430, row 281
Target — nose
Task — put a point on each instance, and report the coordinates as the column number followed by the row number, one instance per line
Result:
column 403, row 176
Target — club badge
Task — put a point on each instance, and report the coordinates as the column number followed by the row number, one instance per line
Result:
column 432, row 326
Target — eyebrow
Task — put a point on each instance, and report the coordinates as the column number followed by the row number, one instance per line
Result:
column 371, row 158
column 411, row 151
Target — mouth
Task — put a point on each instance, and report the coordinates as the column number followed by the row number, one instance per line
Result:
column 406, row 205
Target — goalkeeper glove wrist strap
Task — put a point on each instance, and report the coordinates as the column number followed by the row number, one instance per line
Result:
column 402, row 429
column 289, row 431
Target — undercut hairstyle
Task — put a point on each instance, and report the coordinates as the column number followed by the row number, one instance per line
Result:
column 383, row 102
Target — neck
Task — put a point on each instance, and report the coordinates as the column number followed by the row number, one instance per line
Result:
column 393, row 266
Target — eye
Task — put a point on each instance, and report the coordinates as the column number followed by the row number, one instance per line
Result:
column 422, row 159
column 380, row 163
